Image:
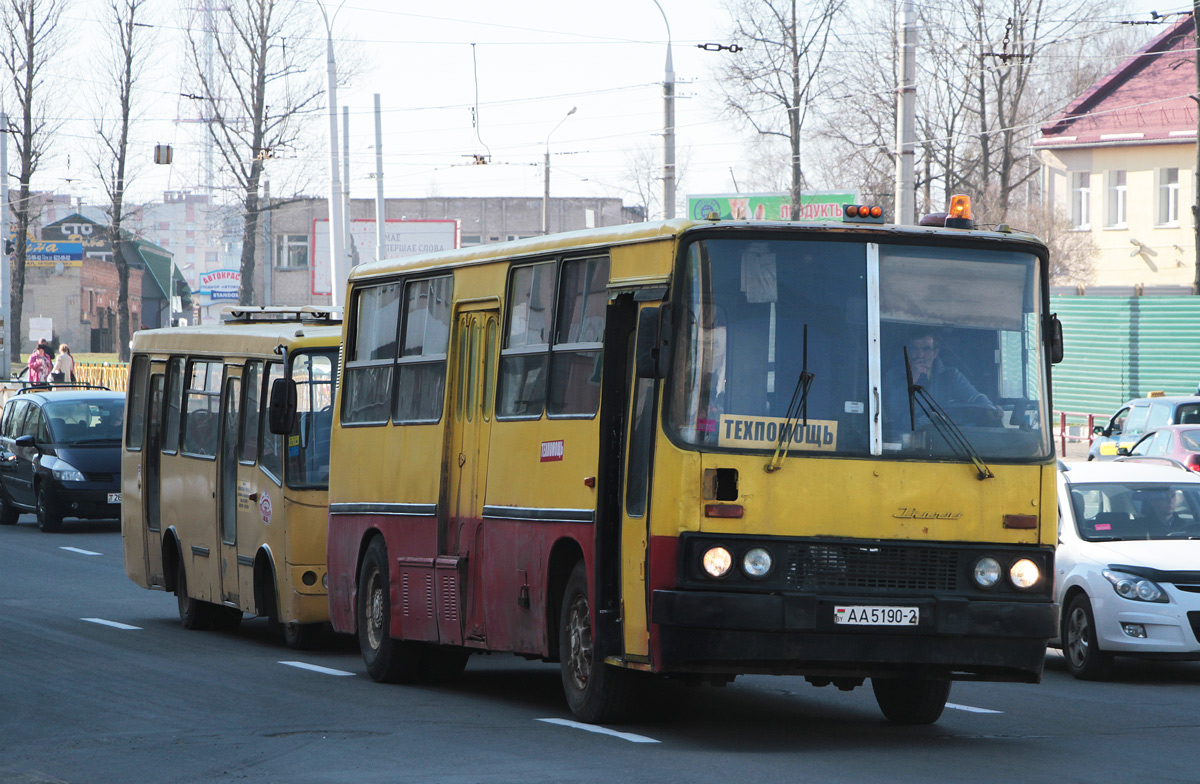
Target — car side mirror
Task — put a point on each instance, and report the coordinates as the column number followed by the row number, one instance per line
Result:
column 281, row 413
column 1123, row 451
column 1098, row 430
column 25, row 441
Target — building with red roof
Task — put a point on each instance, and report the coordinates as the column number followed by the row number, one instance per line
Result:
column 1120, row 161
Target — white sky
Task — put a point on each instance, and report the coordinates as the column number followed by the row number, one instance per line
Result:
column 533, row 61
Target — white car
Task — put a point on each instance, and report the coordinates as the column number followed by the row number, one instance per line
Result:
column 1128, row 581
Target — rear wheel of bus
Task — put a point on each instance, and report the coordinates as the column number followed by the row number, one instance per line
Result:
column 596, row 692
column 911, row 700
column 388, row 660
column 193, row 613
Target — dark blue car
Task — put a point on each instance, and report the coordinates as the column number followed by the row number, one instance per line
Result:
column 60, row 455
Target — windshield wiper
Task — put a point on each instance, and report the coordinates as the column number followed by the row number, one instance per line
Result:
column 946, row 428
column 798, row 407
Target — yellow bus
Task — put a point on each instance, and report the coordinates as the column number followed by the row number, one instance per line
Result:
column 217, row 508
column 701, row 449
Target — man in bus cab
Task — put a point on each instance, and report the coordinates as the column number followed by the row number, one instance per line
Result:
column 945, row 384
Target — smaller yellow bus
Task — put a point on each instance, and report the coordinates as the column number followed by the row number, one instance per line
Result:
column 218, row 508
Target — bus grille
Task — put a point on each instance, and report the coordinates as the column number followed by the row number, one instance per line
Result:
column 823, row 566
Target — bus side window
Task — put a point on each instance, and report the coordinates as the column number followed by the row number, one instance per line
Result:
column 137, row 403
column 248, row 437
column 173, row 405
column 371, row 354
column 522, row 390
column 270, row 456
column 576, row 356
column 203, row 405
column 421, row 375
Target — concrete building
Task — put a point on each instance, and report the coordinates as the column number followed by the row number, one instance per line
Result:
column 1119, row 163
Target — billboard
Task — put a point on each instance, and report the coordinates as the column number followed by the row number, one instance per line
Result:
column 814, row 206
column 50, row 254
column 400, row 238
column 220, row 285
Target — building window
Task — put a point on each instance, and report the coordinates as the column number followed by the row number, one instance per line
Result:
column 1081, row 197
column 1115, row 219
column 1168, row 197
column 471, row 239
column 291, row 251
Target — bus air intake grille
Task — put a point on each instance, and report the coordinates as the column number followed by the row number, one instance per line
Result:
column 816, row 567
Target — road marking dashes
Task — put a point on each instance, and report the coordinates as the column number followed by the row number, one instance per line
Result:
column 113, row 624
column 629, row 736
column 316, row 668
column 969, row 709
column 77, row 550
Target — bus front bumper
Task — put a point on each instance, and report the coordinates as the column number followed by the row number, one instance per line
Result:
column 735, row 633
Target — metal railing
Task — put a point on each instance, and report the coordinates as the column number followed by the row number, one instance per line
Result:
column 1069, row 421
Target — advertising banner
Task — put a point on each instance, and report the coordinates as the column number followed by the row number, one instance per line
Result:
column 221, row 285
column 51, row 254
column 814, row 206
column 400, row 238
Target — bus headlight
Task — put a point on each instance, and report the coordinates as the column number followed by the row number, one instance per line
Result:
column 986, row 572
column 757, row 563
column 1024, row 573
column 717, row 561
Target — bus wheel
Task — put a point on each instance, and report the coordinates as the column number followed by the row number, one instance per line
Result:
column 226, row 618
column 302, row 636
column 911, row 700
column 445, row 662
column 48, row 516
column 387, row 660
column 596, row 692
column 193, row 613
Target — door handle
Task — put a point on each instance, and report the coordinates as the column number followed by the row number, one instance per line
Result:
column 254, row 497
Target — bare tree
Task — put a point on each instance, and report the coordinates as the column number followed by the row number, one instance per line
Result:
column 774, row 81
column 127, row 53
column 31, row 31
column 252, row 62
column 642, row 178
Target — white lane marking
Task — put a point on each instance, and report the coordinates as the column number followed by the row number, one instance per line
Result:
column 969, row 709
column 113, row 624
column 77, row 550
column 629, row 736
column 315, row 668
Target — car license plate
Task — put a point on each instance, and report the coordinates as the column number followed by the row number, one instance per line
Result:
column 859, row 615
column 114, row 498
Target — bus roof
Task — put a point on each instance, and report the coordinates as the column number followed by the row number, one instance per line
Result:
column 238, row 338
column 652, row 231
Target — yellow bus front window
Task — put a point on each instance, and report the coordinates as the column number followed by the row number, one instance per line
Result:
column 308, row 444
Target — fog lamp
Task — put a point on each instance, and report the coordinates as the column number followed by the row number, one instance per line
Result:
column 1134, row 630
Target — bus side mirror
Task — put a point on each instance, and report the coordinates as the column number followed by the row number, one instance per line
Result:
column 281, row 413
column 1056, row 340
column 653, row 348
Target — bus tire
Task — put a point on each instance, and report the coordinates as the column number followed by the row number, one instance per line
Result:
column 194, row 614
column 48, row 516
column 302, row 636
column 596, row 692
column 387, row 660
column 911, row 700
column 226, row 618
column 445, row 663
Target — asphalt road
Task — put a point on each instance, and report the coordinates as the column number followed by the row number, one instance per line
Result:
column 99, row 683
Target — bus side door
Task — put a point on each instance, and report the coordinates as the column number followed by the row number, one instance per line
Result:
column 229, row 499
column 152, row 479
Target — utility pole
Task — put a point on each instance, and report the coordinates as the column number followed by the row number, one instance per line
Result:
column 906, row 119
column 5, row 270
column 380, row 206
column 546, row 175
column 347, row 233
column 337, row 253
column 669, row 126
column 1196, row 186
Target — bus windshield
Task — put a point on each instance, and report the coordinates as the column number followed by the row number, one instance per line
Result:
column 307, row 447
column 812, row 343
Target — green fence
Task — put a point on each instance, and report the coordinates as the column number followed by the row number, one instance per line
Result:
column 1117, row 348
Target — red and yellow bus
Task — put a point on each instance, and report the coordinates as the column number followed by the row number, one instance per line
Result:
column 217, row 507
column 702, row 449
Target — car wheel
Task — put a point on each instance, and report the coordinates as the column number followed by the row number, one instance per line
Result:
column 8, row 512
column 1084, row 658
column 596, row 692
column 48, row 516
column 194, row 614
column 911, row 700
column 388, row 660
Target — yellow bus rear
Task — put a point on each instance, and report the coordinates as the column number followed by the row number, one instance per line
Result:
column 216, row 508
column 699, row 449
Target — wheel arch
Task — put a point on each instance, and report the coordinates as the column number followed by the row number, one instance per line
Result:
column 172, row 557
column 266, row 584
column 565, row 553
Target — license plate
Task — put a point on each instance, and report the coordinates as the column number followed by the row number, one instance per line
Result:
column 859, row 615
column 114, row 498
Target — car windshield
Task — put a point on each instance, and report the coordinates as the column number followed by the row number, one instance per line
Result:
column 800, row 336
column 85, row 421
column 1136, row 510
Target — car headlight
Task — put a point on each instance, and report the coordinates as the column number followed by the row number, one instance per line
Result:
column 757, row 563
column 986, row 572
column 717, row 561
column 1135, row 588
column 65, row 472
column 1024, row 573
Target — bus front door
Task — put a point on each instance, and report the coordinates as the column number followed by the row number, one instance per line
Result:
column 473, row 358
column 152, row 483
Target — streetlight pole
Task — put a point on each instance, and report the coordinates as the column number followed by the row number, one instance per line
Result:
column 336, row 240
column 668, row 127
column 546, row 180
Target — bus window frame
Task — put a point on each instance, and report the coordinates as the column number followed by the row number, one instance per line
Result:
column 250, row 365
column 139, row 389
column 292, row 356
column 542, row 349
column 350, row 349
column 402, row 362
column 170, row 446
column 557, row 349
column 188, row 390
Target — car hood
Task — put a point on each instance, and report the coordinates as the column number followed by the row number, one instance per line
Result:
column 1168, row 555
column 91, row 458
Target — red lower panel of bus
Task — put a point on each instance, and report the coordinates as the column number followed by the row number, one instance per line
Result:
column 487, row 588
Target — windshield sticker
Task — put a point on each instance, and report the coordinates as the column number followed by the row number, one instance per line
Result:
column 752, row 432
